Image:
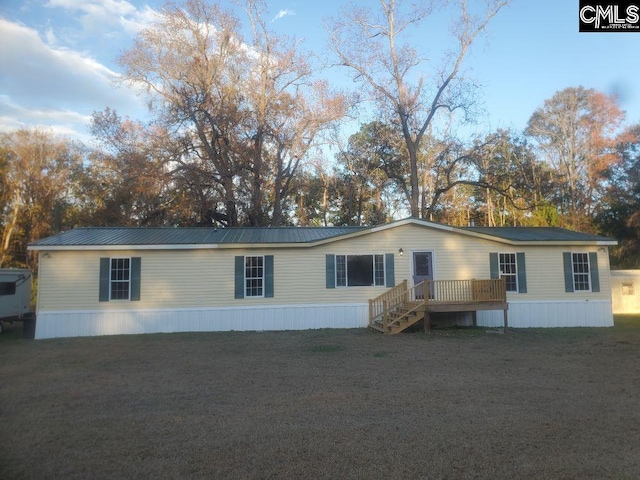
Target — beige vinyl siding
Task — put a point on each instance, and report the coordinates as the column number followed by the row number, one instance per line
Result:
column 545, row 274
column 68, row 280
column 205, row 277
column 190, row 278
column 169, row 278
column 457, row 256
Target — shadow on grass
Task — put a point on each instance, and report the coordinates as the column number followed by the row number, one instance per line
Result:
column 626, row 330
column 12, row 331
column 326, row 349
column 624, row 326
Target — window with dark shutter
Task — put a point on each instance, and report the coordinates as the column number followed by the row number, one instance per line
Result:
column 511, row 267
column 120, row 279
column 581, row 272
column 254, row 276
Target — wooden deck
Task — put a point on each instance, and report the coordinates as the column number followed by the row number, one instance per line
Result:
column 404, row 305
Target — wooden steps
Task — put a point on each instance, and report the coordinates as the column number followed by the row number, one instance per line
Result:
column 399, row 319
column 403, row 306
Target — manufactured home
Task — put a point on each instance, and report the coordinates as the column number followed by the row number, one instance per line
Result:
column 106, row 281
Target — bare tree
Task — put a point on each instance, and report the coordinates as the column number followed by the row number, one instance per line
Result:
column 193, row 63
column 576, row 132
column 288, row 110
column 250, row 107
column 406, row 86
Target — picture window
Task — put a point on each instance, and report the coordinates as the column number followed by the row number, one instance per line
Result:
column 360, row 270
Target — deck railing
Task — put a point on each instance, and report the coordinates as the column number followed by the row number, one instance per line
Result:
column 463, row 291
column 436, row 291
column 381, row 306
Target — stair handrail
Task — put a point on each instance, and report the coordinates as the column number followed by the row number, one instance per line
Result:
column 411, row 309
column 391, row 300
column 380, row 305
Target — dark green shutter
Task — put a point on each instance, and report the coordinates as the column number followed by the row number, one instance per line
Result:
column 389, row 266
column 239, row 277
column 494, row 267
column 568, row 271
column 593, row 270
column 522, row 273
column 331, row 271
column 135, row 278
column 105, row 271
column 268, row 276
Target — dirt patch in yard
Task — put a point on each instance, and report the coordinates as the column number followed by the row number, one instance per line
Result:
column 561, row 403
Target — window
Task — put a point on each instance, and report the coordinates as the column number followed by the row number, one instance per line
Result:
column 509, row 271
column 7, row 288
column 512, row 267
column 581, row 272
column 627, row 288
column 580, row 262
column 379, row 270
column 120, row 279
column 254, row 276
column 341, row 270
column 360, row 270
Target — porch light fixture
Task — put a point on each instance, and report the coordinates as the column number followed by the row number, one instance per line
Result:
column 401, row 252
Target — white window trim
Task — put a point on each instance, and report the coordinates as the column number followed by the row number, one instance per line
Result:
column 246, row 295
column 373, row 260
column 588, row 274
column 515, row 257
column 128, row 299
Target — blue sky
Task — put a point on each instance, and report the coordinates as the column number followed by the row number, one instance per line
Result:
column 58, row 58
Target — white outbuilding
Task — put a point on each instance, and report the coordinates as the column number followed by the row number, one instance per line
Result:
column 625, row 291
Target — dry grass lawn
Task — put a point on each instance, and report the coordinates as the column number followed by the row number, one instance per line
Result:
column 460, row 403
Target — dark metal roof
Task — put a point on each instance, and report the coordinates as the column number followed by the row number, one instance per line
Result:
column 119, row 236
column 167, row 236
column 537, row 234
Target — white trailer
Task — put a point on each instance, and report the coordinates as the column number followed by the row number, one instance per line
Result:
column 15, row 295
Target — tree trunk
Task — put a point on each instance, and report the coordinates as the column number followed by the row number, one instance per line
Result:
column 8, row 231
column 414, row 201
column 230, row 202
column 276, row 219
column 255, row 212
column 490, row 219
column 325, row 201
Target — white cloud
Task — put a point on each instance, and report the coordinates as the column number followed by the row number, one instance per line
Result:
column 51, row 36
column 59, row 122
column 142, row 19
column 105, row 15
column 95, row 12
column 44, row 84
column 283, row 13
column 35, row 69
